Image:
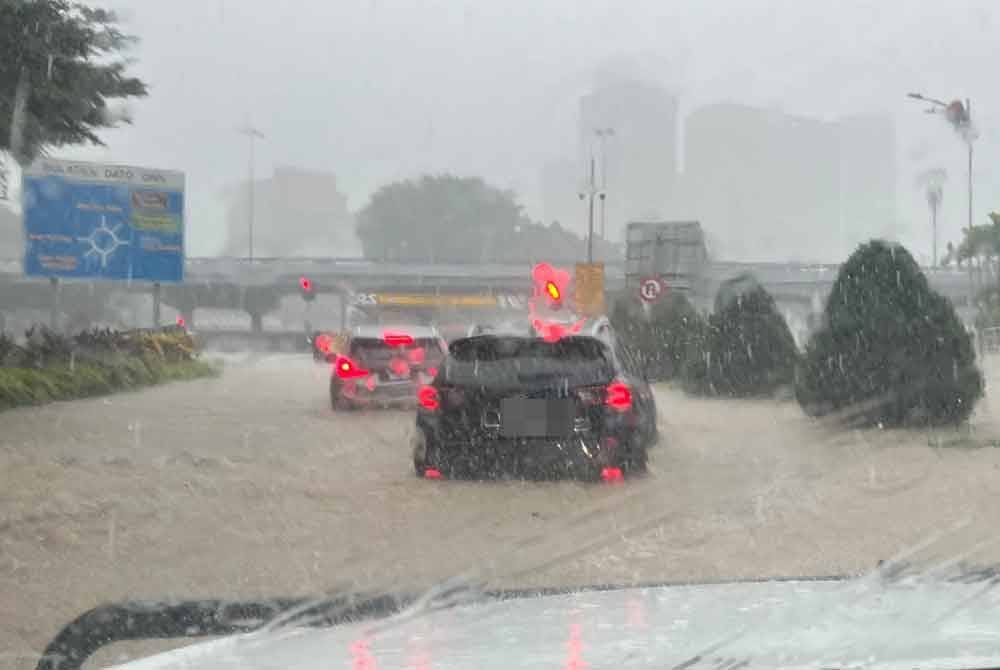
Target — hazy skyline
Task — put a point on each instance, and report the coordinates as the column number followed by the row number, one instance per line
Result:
column 375, row 90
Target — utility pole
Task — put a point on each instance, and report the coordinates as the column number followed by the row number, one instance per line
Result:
column 968, row 140
column 934, row 197
column 603, row 134
column 253, row 134
column 960, row 118
column 589, row 194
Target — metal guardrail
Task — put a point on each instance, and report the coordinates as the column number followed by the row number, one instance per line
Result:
column 989, row 340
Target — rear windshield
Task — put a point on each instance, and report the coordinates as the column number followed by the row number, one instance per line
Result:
column 373, row 351
column 521, row 361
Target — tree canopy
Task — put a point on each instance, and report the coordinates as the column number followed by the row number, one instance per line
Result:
column 60, row 64
column 452, row 219
column 891, row 349
column 748, row 349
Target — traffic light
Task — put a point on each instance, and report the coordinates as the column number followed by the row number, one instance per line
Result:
column 552, row 290
column 550, row 284
column 307, row 289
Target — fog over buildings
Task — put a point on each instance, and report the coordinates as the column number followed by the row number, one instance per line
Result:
column 777, row 187
column 767, row 186
column 297, row 213
column 376, row 91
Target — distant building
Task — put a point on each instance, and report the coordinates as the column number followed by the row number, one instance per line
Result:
column 297, row 213
column 773, row 187
column 641, row 155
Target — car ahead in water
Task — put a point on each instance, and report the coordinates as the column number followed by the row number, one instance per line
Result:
column 381, row 366
column 522, row 405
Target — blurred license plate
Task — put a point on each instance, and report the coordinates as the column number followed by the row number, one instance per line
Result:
column 529, row 417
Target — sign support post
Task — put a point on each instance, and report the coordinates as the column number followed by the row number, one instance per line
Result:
column 156, row 304
column 54, row 303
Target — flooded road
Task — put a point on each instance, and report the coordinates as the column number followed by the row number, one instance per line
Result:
column 248, row 485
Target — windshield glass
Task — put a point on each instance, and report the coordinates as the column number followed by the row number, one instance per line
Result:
column 384, row 304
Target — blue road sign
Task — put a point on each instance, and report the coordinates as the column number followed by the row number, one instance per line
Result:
column 96, row 221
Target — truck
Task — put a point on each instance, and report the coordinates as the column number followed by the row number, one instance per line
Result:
column 673, row 251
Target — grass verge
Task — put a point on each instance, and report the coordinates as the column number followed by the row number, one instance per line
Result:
column 20, row 387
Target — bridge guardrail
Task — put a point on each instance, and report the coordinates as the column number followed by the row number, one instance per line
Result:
column 989, row 340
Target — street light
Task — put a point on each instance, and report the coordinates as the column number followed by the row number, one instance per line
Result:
column 252, row 133
column 960, row 117
column 603, row 134
column 592, row 191
column 589, row 194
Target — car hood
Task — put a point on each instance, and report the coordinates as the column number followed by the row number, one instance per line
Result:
column 910, row 623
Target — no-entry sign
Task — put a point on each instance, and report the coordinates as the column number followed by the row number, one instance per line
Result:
column 650, row 289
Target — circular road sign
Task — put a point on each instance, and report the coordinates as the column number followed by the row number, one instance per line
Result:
column 650, row 289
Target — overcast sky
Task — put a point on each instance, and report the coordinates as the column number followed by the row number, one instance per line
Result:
column 374, row 90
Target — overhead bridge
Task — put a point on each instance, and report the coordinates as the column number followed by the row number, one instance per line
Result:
column 257, row 287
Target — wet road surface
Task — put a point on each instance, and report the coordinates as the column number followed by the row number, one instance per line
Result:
column 248, row 485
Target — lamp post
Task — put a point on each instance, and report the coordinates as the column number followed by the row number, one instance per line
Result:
column 253, row 134
column 589, row 194
column 603, row 134
column 960, row 118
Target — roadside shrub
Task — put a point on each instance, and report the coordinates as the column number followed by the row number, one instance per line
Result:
column 661, row 343
column 46, row 347
column 891, row 350
column 747, row 349
column 11, row 354
column 51, row 366
column 676, row 333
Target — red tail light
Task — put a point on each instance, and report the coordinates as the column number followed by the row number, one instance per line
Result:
column 612, row 475
column 431, row 473
column 619, row 396
column 348, row 369
column 433, row 372
column 397, row 339
column 180, row 321
column 305, row 284
column 417, row 355
column 427, row 396
column 323, row 343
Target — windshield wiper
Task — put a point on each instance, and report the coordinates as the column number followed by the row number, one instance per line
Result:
column 152, row 620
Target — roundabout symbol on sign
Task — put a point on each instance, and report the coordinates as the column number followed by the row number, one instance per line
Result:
column 650, row 289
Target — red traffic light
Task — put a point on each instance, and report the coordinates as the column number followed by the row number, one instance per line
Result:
column 305, row 283
column 549, row 281
column 552, row 289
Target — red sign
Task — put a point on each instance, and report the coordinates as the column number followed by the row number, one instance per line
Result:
column 650, row 289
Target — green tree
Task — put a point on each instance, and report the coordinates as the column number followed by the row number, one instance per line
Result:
column 439, row 218
column 60, row 64
column 891, row 350
column 676, row 332
column 748, row 349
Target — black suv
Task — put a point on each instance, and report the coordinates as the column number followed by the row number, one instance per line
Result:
column 521, row 405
